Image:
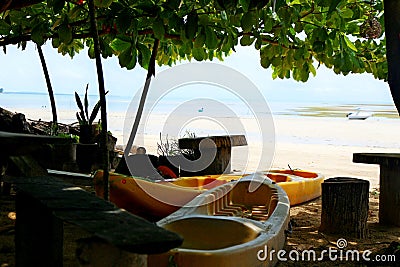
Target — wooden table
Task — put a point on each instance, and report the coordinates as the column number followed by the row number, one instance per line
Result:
column 224, row 144
column 389, row 183
column 19, row 148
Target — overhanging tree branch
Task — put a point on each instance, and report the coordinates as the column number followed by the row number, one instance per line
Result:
column 16, row 4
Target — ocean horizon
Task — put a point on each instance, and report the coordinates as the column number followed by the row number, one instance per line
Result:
column 14, row 101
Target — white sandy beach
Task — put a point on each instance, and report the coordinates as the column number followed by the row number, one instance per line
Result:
column 320, row 144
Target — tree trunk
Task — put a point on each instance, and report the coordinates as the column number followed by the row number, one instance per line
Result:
column 345, row 206
column 392, row 31
column 150, row 72
column 102, row 93
column 50, row 90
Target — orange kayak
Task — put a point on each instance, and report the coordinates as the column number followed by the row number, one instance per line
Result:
column 156, row 200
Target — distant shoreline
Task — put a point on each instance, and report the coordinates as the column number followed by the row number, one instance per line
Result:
column 378, row 110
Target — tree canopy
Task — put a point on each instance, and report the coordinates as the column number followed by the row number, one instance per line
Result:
column 293, row 36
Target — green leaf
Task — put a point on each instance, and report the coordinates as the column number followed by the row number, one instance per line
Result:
column 119, row 45
column 247, row 22
column 200, row 39
column 245, row 4
column 199, row 54
column 80, row 106
column 333, row 5
column 346, row 13
column 94, row 113
column 279, row 4
column 128, row 58
column 38, row 32
column 5, row 28
column 211, row 38
column 55, row 42
column 191, row 25
column 65, row 33
column 312, row 69
column 158, row 28
column 124, row 21
column 265, row 62
column 268, row 24
column 173, row 4
column 75, row 11
column 91, row 52
column 103, row 3
column 298, row 54
column 57, row 5
column 86, row 101
column 246, row 40
column 318, row 46
column 349, row 43
column 298, row 27
column 224, row 16
column 144, row 55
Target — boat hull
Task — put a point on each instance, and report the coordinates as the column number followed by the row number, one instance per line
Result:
column 156, row 200
column 231, row 225
column 147, row 199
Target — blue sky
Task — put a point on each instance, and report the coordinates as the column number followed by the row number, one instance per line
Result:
column 21, row 71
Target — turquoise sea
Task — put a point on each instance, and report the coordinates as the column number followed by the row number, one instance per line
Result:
column 15, row 101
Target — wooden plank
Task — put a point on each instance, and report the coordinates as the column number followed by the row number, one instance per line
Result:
column 98, row 217
column 27, row 166
column 124, row 230
column 220, row 141
column 74, row 175
column 377, row 158
column 22, row 144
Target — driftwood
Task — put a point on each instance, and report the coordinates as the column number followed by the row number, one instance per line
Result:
column 17, row 123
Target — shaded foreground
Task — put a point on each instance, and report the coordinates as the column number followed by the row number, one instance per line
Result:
column 305, row 236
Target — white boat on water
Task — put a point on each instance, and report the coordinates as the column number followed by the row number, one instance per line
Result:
column 359, row 115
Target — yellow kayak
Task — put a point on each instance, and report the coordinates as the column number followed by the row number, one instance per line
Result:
column 300, row 186
column 155, row 200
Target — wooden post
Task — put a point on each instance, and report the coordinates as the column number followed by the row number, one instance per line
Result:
column 39, row 234
column 345, row 206
column 389, row 195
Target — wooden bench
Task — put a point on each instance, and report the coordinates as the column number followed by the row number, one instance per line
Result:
column 389, row 183
column 43, row 203
column 222, row 161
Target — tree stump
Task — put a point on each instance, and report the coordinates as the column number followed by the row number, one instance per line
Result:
column 345, row 206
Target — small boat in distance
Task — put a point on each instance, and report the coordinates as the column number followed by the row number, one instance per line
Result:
column 359, row 115
column 1, row 90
